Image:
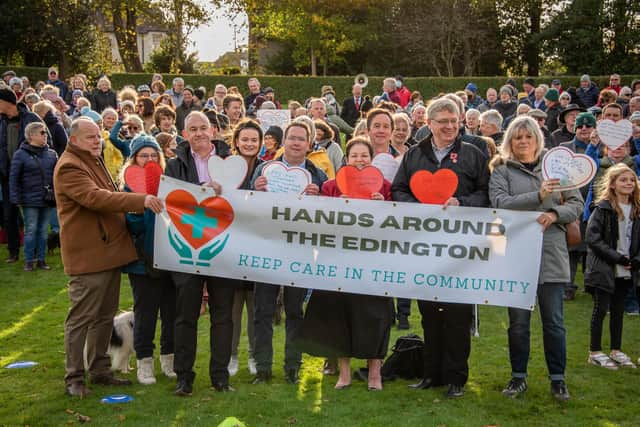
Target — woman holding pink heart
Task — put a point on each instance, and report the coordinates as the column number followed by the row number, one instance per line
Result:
column 347, row 325
column 153, row 290
column 517, row 183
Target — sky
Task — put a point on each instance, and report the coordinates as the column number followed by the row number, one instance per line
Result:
column 216, row 38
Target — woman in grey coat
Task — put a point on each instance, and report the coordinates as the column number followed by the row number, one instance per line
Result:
column 517, row 183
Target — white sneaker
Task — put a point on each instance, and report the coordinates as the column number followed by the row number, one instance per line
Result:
column 145, row 371
column 233, row 366
column 251, row 363
column 166, row 364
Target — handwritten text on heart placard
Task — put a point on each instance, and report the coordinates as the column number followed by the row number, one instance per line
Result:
column 572, row 169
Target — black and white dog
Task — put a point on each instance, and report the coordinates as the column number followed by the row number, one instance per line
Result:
column 121, row 344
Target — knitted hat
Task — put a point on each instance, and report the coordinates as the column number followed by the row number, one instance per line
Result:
column 552, row 95
column 505, row 89
column 585, row 78
column 188, row 88
column 141, row 141
column 585, row 119
column 276, row 132
column 471, row 87
column 8, row 95
column 93, row 115
column 144, row 88
column 635, row 116
column 15, row 81
column 77, row 92
column 556, row 82
column 8, row 73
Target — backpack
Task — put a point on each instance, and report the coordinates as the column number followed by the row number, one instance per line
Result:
column 407, row 360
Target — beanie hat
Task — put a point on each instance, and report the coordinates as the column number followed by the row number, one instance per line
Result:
column 276, row 132
column 552, row 95
column 189, row 88
column 76, row 92
column 471, row 87
column 144, row 88
column 635, row 116
column 530, row 81
column 556, row 82
column 89, row 113
column 585, row 119
column 15, row 81
column 141, row 141
column 505, row 89
column 512, row 82
column 585, row 78
column 8, row 95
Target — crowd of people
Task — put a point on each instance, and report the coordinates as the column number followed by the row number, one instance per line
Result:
column 66, row 152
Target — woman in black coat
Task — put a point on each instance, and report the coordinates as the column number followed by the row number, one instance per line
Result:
column 30, row 182
column 613, row 260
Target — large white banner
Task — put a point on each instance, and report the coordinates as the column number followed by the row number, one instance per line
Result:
column 471, row 255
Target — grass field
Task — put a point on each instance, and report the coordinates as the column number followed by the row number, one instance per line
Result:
column 31, row 328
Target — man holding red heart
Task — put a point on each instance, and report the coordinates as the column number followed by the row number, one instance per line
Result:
column 446, row 325
column 191, row 165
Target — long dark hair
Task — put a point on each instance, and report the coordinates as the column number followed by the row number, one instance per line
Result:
column 243, row 124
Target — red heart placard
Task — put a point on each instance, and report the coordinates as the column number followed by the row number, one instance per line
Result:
column 359, row 183
column 198, row 222
column 134, row 177
column 152, row 173
column 434, row 188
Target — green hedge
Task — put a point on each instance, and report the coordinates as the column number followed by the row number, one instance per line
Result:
column 302, row 87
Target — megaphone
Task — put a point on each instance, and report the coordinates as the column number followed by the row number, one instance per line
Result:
column 362, row 80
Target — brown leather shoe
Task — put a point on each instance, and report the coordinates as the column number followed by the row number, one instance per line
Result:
column 43, row 265
column 77, row 389
column 109, row 380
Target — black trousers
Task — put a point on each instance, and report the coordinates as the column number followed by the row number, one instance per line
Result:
column 11, row 221
column 188, row 302
column 614, row 303
column 403, row 307
column 264, row 304
column 447, row 339
column 150, row 296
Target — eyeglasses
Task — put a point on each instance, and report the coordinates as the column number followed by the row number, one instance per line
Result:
column 133, row 127
column 42, row 132
column 444, row 122
column 149, row 156
column 584, row 125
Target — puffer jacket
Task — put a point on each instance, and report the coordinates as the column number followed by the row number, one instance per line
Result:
column 26, row 184
column 6, row 151
column 602, row 256
column 588, row 96
column 512, row 186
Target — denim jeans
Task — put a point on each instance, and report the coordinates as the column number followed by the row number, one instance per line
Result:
column 550, row 304
column 55, row 223
column 36, row 225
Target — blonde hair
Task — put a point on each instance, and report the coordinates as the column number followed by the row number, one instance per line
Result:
column 42, row 107
column 607, row 192
column 128, row 94
column 521, row 123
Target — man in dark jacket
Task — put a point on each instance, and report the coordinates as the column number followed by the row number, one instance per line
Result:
column 189, row 103
column 191, row 165
column 14, row 118
column 446, row 325
column 354, row 105
column 54, row 80
column 588, row 92
column 297, row 141
column 551, row 99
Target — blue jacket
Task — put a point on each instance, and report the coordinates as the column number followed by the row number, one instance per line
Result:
column 57, row 133
column 142, row 229
column 25, row 116
column 124, row 145
column 26, row 187
column 589, row 96
column 62, row 86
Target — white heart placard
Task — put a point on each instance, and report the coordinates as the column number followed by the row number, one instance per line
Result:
column 229, row 172
column 614, row 134
column 284, row 179
column 387, row 164
column 572, row 169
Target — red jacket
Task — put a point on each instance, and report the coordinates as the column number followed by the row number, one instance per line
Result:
column 405, row 96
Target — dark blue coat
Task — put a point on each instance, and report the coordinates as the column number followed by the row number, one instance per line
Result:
column 588, row 96
column 58, row 135
column 26, row 186
column 25, row 116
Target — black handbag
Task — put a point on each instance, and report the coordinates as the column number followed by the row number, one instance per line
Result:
column 407, row 360
column 49, row 197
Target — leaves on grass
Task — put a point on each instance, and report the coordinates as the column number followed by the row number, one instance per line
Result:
column 78, row 415
column 292, row 420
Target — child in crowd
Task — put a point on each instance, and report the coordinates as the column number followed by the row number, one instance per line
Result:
column 613, row 260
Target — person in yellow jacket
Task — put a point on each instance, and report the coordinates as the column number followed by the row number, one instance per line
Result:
column 113, row 157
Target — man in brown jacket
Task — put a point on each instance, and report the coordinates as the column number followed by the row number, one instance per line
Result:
column 95, row 243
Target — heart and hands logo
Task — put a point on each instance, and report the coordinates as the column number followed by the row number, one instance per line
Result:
column 198, row 223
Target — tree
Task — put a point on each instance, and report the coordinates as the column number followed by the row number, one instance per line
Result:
column 124, row 15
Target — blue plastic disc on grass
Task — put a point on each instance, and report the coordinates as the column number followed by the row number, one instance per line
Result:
column 21, row 364
column 117, row 398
